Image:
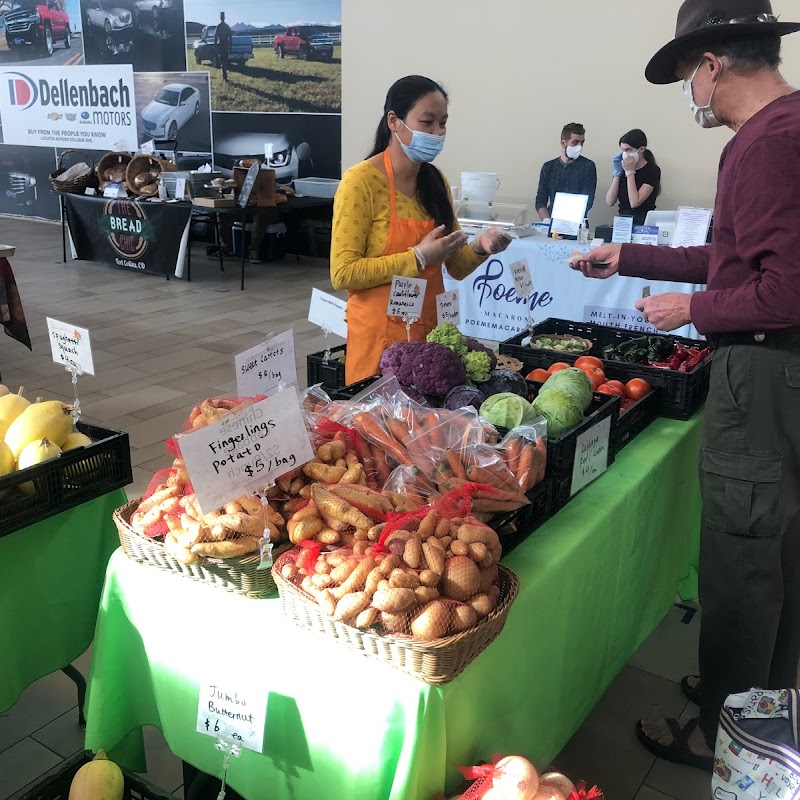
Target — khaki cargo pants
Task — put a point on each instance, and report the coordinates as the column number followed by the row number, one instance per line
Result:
column 750, row 536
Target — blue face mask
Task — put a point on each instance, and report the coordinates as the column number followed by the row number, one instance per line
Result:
column 424, row 147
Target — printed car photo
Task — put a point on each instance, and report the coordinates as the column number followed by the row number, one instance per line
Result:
column 106, row 16
column 37, row 24
column 286, row 157
column 158, row 16
column 173, row 106
column 304, row 42
column 239, row 52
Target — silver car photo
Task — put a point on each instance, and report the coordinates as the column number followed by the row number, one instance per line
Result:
column 173, row 106
column 106, row 16
column 231, row 148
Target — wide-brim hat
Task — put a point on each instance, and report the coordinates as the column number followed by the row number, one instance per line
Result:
column 703, row 21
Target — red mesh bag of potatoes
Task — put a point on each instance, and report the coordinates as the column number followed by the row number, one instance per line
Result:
column 422, row 574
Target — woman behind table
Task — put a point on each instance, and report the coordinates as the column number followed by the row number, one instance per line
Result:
column 637, row 178
column 393, row 215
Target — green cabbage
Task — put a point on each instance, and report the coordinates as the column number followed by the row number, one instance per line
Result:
column 507, row 410
column 574, row 381
column 560, row 408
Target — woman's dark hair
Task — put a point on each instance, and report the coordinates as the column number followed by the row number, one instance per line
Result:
column 431, row 190
column 638, row 138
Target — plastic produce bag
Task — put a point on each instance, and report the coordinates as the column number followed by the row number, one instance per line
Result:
column 524, row 450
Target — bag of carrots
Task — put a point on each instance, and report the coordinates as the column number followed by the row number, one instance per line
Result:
column 524, row 450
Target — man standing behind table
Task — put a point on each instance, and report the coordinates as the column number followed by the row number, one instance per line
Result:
column 750, row 454
column 570, row 172
column 222, row 42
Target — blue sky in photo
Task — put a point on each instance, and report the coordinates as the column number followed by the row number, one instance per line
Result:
column 265, row 12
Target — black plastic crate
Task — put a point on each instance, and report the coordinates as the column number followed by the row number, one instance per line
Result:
column 349, row 392
column 329, row 373
column 561, row 452
column 682, row 393
column 54, row 785
column 635, row 420
column 516, row 526
column 62, row 483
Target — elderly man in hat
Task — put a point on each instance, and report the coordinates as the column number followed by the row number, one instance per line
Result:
column 727, row 53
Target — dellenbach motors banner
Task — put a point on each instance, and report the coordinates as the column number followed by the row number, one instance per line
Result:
column 92, row 107
column 145, row 237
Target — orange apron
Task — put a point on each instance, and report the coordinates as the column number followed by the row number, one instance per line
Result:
column 369, row 330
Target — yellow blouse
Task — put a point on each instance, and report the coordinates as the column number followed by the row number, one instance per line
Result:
column 361, row 229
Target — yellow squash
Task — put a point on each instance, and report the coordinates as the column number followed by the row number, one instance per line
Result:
column 51, row 419
column 11, row 406
column 36, row 453
column 75, row 439
column 100, row 779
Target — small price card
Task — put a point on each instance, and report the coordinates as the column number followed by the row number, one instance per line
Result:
column 149, row 147
column 266, row 366
column 234, row 712
column 328, row 312
column 406, row 297
column 114, row 190
column 247, row 450
column 448, row 308
column 71, row 346
column 521, row 275
column 591, row 455
column 180, row 188
column 623, row 230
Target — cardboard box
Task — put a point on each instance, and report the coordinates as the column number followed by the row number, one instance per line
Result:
column 263, row 193
column 214, row 202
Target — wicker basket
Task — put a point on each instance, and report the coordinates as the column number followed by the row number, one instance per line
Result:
column 434, row 663
column 237, row 575
column 76, row 185
column 145, row 163
column 112, row 160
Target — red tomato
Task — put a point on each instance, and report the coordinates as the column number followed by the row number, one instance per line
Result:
column 608, row 389
column 617, row 384
column 589, row 361
column 637, row 388
column 595, row 375
column 538, row 375
column 557, row 367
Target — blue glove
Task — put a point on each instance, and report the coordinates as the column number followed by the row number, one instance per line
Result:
column 616, row 162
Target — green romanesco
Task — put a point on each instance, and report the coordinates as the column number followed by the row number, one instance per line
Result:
column 450, row 336
column 478, row 366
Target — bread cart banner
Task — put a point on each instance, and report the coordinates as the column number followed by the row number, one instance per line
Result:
column 92, row 107
column 145, row 237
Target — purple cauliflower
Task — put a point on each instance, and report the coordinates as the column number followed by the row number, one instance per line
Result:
column 423, row 369
column 397, row 360
column 473, row 345
column 437, row 370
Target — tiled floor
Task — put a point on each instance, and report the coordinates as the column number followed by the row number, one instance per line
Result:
column 161, row 346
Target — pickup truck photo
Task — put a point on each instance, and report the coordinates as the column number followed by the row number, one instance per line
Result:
column 305, row 43
column 37, row 24
column 241, row 50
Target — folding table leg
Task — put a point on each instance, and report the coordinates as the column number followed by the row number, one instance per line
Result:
column 75, row 676
column 63, row 226
column 218, row 238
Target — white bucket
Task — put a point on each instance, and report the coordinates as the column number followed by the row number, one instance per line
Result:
column 479, row 187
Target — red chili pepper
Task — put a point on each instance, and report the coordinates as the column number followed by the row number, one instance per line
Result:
column 660, row 364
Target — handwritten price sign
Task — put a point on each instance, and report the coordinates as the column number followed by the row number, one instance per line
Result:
column 591, row 455
column 71, row 346
column 267, row 366
column 233, row 712
column 247, row 451
column 448, row 308
column 406, row 297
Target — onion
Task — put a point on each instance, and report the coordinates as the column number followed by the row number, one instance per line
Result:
column 558, row 781
column 515, row 778
column 548, row 793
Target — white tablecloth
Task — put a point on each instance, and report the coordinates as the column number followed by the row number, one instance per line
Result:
column 491, row 310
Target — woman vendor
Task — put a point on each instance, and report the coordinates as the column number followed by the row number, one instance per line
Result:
column 393, row 215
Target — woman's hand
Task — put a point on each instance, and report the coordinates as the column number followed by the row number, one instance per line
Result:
column 629, row 164
column 436, row 247
column 491, row 241
column 616, row 163
column 602, row 262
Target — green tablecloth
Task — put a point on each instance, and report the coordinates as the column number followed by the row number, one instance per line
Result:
column 51, row 575
column 595, row 581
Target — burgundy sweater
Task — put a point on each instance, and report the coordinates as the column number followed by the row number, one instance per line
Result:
column 752, row 269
